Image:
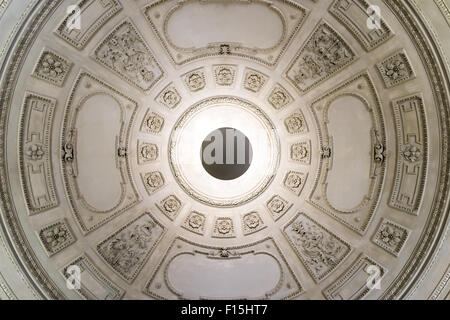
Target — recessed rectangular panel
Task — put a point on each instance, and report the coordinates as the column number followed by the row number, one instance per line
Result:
column 363, row 21
column 35, row 153
column 94, row 284
column 194, row 271
column 95, row 163
column 269, row 28
column 80, row 25
column 352, row 161
column 358, row 281
column 128, row 249
column 411, row 153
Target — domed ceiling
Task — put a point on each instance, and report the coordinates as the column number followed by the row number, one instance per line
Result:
column 108, row 108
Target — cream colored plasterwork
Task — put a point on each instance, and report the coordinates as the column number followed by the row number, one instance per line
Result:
column 352, row 284
column 3, row 5
column 198, row 195
column 444, row 9
column 99, row 13
column 291, row 15
column 411, row 258
column 89, row 216
column 362, row 91
column 160, row 286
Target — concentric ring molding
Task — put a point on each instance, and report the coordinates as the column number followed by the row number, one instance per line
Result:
column 256, row 134
column 157, row 218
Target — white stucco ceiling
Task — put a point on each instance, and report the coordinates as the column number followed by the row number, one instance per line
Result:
column 102, row 128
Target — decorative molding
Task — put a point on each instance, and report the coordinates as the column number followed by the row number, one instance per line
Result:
column 352, row 284
column 324, row 54
column 99, row 287
column 296, row 123
column 252, row 223
column 225, row 74
column 170, row 207
column 422, row 254
column 442, row 287
column 160, row 286
column 14, row 61
column 125, row 52
column 147, row 152
column 94, row 14
column 353, row 14
column 444, row 8
column 254, row 80
column 52, row 68
column 14, row 30
column 169, row 97
column 153, row 181
column 223, row 228
column 56, row 236
column 320, row 250
column 356, row 216
column 412, row 153
column 3, row 6
column 160, row 12
column 153, row 123
column 391, row 236
column 301, row 152
column 35, row 151
column 85, row 88
column 178, row 129
column 128, row 249
column 295, row 181
column 278, row 207
column 414, row 270
column 195, row 222
column 5, row 291
column 396, row 69
column 195, row 80
column 279, row 97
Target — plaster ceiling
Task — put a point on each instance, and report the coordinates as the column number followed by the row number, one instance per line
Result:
column 103, row 124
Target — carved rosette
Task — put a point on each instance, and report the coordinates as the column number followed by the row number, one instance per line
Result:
column 391, row 236
column 280, row 98
column 395, row 69
column 56, row 237
column 153, row 123
column 148, row 152
column 170, row 207
column 195, row 222
column 252, row 222
column 52, row 68
column 169, row 97
column 153, row 181
column 223, row 228
column 295, row 181
column 277, row 207
column 195, row 80
column 224, row 75
column 301, row 152
column 254, row 80
column 296, row 123
column 127, row 249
